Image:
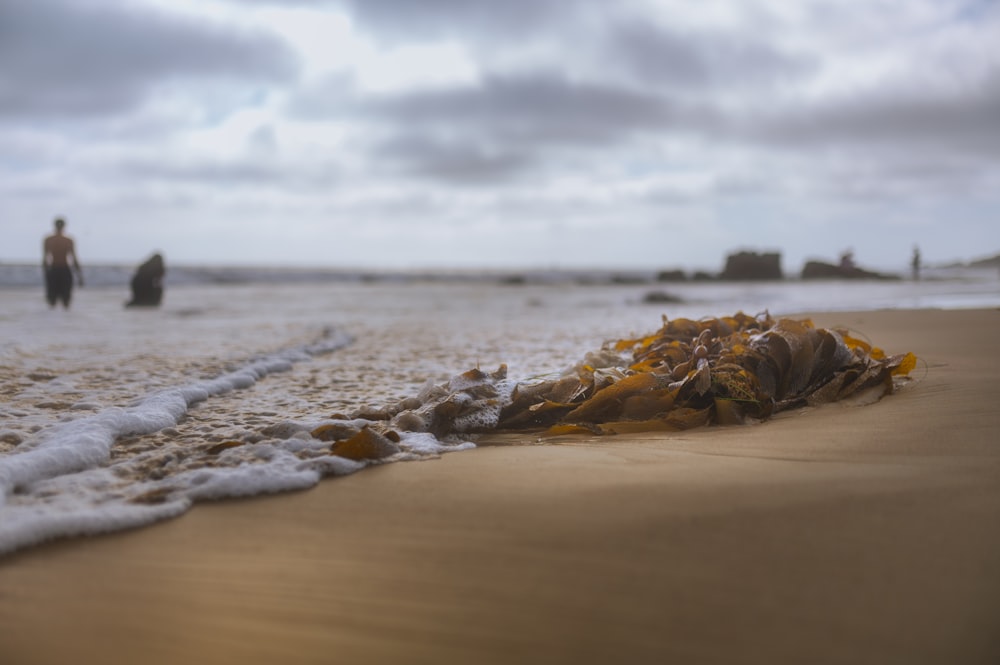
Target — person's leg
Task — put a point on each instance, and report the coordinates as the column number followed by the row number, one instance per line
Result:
column 50, row 287
column 63, row 278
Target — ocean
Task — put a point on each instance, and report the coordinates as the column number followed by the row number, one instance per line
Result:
column 115, row 418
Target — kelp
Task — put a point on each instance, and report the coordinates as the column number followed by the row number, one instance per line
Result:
column 690, row 373
column 367, row 444
column 727, row 370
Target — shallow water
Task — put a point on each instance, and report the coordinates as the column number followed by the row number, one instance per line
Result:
column 113, row 418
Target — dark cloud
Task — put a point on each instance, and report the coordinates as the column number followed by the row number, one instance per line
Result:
column 71, row 58
column 976, row 10
column 297, row 4
column 497, row 126
column 215, row 172
column 430, row 19
column 629, row 73
column 455, row 161
column 964, row 120
column 533, row 107
column 595, row 35
column 660, row 55
column 510, row 122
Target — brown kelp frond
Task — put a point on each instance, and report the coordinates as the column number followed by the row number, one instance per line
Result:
column 723, row 370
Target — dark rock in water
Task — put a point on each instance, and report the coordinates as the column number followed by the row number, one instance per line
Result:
column 752, row 266
column 147, row 284
column 822, row 270
column 671, row 276
column 627, row 279
column 991, row 262
column 659, row 297
column 702, row 276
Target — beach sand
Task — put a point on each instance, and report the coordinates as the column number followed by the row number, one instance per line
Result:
column 840, row 534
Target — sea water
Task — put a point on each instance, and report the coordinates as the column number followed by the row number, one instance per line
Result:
column 113, row 418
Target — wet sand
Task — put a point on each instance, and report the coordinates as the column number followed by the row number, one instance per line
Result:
column 843, row 534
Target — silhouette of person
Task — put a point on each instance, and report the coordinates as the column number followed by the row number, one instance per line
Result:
column 59, row 262
column 147, row 283
column 915, row 263
column 847, row 262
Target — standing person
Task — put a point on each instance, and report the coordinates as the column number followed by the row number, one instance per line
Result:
column 915, row 263
column 59, row 261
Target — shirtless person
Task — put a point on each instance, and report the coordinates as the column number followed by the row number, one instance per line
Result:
column 58, row 262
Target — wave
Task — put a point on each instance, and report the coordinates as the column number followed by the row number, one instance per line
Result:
column 66, row 483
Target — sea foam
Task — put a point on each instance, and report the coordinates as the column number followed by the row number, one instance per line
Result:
column 60, row 483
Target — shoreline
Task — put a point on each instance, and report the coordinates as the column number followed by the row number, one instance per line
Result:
column 836, row 534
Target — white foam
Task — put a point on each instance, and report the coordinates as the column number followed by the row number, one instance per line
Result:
column 282, row 473
column 60, row 484
column 25, row 526
column 424, row 443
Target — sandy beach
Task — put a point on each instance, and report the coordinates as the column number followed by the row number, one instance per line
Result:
column 840, row 534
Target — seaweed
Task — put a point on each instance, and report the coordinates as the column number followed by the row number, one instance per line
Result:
column 727, row 370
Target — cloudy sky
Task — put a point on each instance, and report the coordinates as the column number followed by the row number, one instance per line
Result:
column 476, row 133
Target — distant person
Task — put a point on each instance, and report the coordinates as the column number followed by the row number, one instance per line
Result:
column 147, row 284
column 59, row 261
column 847, row 261
column 915, row 263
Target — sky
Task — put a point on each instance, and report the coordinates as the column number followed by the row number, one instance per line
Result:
column 397, row 134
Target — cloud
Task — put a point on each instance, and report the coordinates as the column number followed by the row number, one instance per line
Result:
column 631, row 80
column 431, row 19
column 454, row 161
column 720, row 123
column 507, row 125
column 498, row 126
column 69, row 59
column 964, row 120
column 700, row 60
column 208, row 173
column 530, row 107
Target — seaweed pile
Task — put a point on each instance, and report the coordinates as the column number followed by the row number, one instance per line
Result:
column 727, row 370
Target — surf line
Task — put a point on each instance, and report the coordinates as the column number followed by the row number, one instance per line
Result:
column 86, row 443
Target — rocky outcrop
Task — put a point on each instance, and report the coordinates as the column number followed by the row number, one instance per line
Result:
column 822, row 270
column 744, row 266
column 671, row 276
